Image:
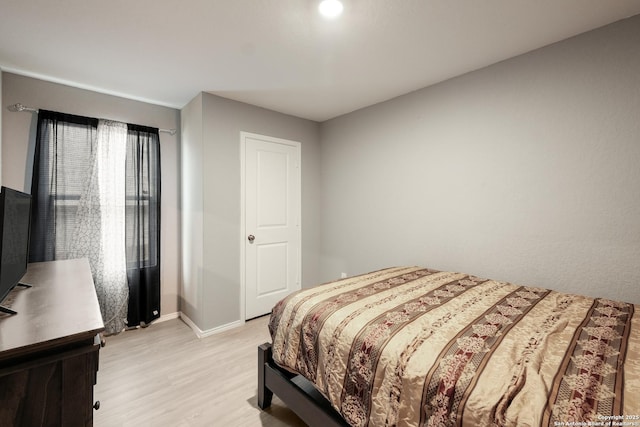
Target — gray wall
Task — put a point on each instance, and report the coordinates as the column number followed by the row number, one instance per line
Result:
column 212, row 288
column 1, row 112
column 192, row 195
column 526, row 171
column 18, row 139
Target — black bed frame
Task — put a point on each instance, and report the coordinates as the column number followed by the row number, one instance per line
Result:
column 295, row 391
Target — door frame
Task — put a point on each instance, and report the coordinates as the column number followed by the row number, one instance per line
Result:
column 243, row 232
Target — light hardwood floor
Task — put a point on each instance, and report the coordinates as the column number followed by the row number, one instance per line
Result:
column 163, row 375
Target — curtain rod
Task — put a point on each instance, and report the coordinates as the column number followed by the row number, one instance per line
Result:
column 19, row 107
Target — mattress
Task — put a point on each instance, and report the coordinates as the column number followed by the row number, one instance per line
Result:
column 412, row 346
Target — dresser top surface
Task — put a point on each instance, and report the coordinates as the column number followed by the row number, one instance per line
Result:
column 60, row 308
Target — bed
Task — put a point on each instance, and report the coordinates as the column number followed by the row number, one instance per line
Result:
column 412, row 346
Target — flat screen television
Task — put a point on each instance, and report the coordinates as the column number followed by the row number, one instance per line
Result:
column 15, row 227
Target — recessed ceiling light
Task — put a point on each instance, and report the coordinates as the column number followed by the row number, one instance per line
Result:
column 330, row 8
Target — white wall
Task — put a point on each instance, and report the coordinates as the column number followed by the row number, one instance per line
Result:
column 526, row 171
column 18, row 141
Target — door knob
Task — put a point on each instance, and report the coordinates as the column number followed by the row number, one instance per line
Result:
column 251, row 238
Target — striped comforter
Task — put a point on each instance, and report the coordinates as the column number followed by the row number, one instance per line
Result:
column 410, row 346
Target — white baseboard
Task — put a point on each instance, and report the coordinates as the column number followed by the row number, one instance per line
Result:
column 203, row 334
column 169, row 316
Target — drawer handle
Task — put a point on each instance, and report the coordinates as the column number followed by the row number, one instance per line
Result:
column 96, row 405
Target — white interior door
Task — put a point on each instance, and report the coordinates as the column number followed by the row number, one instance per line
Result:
column 271, row 233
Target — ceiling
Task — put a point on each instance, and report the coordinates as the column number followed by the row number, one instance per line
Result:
column 280, row 54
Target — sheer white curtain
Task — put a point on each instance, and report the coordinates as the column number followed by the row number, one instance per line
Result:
column 100, row 223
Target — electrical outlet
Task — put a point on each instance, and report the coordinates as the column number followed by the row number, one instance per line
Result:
column 343, row 275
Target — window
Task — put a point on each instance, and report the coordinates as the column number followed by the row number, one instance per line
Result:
column 66, row 158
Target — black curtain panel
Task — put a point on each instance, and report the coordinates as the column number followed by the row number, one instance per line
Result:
column 62, row 152
column 143, row 224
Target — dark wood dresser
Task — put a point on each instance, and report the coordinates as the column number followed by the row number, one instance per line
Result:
column 49, row 350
